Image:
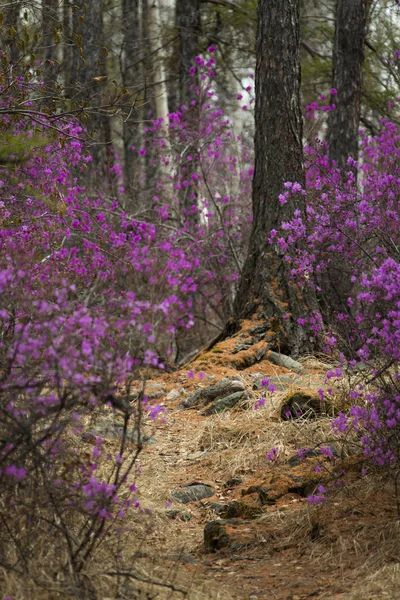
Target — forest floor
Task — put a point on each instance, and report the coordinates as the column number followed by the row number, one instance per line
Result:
column 266, row 540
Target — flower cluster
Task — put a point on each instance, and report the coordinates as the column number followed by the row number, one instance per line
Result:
column 347, row 247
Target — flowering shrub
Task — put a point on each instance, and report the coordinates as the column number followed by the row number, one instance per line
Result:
column 92, row 292
column 348, row 248
column 76, row 324
column 200, row 197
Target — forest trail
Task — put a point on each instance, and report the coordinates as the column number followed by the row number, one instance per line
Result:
column 267, row 540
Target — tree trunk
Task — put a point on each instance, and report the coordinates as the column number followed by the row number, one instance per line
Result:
column 9, row 31
column 188, row 26
column 131, row 75
column 348, row 59
column 266, row 290
column 68, row 44
column 343, row 128
column 50, row 22
column 159, row 78
column 88, row 66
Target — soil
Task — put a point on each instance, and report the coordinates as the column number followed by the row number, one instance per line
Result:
column 279, row 545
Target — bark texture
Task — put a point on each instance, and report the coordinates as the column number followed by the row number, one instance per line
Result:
column 188, row 25
column 9, row 30
column 50, row 22
column 132, row 77
column 265, row 287
column 343, row 125
column 88, row 64
column 159, row 78
column 348, row 59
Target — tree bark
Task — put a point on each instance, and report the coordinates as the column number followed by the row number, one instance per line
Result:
column 188, row 25
column 159, row 78
column 131, row 75
column 50, row 21
column 348, row 59
column 9, row 33
column 88, row 64
column 266, row 290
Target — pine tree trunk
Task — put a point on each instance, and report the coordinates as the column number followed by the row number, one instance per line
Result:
column 266, row 290
column 9, row 31
column 343, row 127
column 89, row 65
column 188, row 26
column 68, row 45
column 50, row 21
column 188, row 23
column 348, row 59
column 131, row 75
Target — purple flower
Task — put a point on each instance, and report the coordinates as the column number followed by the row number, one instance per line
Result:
column 260, row 402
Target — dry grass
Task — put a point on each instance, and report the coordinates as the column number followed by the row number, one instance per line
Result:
column 241, row 440
column 355, row 535
column 383, row 583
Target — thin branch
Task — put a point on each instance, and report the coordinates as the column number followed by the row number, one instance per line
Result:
column 168, row 586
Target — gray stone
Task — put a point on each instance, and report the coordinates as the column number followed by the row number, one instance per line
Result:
column 285, row 361
column 192, row 493
column 114, row 430
column 174, row 514
column 205, row 395
column 218, row 507
column 174, row 395
column 223, row 404
column 154, row 394
column 241, row 347
column 229, row 510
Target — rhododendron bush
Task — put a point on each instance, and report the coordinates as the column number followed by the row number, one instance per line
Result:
column 200, row 194
column 93, row 292
column 76, row 324
column 96, row 285
column 348, row 248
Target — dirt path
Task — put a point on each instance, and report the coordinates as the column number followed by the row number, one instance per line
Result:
column 269, row 541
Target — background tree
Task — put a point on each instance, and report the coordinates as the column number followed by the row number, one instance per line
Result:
column 348, row 59
column 88, row 71
column 188, row 24
column 265, row 288
column 131, row 77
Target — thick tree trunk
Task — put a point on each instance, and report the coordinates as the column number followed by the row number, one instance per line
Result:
column 343, row 126
column 266, row 289
column 188, row 26
column 348, row 59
